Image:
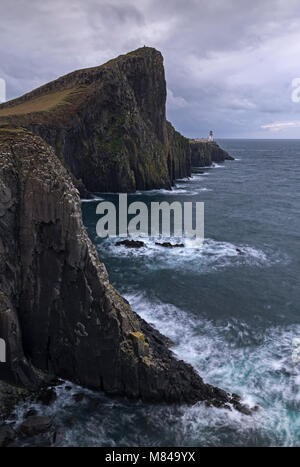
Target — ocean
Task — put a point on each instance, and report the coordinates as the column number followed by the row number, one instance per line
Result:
column 233, row 316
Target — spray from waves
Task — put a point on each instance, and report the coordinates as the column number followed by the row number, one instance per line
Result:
column 211, row 255
column 231, row 355
column 261, row 372
column 176, row 190
column 92, row 200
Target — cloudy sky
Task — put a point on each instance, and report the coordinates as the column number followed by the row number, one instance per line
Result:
column 230, row 65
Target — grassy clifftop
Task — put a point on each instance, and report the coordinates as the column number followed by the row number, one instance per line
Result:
column 107, row 123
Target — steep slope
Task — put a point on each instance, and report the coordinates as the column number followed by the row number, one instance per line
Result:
column 58, row 311
column 107, row 123
column 179, row 154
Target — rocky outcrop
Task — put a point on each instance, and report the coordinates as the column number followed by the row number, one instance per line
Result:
column 204, row 153
column 58, row 312
column 107, row 124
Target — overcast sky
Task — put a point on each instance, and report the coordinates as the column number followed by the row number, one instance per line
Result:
column 229, row 63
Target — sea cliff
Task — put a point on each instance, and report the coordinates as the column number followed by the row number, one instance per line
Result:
column 101, row 129
column 204, row 153
column 58, row 311
column 108, row 126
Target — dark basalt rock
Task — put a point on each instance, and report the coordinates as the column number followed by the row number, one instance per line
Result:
column 7, row 435
column 58, row 311
column 31, row 412
column 59, row 436
column 47, row 396
column 131, row 243
column 179, row 154
column 170, row 245
column 78, row 397
column 35, row 425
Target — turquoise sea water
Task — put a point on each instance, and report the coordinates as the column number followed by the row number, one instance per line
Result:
column 234, row 317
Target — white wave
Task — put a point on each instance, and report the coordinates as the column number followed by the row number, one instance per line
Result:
column 92, row 200
column 209, row 256
column 175, row 191
column 262, row 373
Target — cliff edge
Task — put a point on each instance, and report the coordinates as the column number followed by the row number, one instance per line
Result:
column 107, row 124
column 58, row 311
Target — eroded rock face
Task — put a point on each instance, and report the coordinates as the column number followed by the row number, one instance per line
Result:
column 110, row 130
column 59, row 313
column 179, row 154
column 203, row 154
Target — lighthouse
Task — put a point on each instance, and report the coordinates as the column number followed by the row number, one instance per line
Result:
column 211, row 137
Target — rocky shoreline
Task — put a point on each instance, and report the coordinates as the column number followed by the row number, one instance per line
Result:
column 59, row 315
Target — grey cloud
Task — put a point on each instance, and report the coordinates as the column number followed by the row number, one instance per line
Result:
column 229, row 64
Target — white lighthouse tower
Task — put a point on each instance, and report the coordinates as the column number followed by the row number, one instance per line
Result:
column 211, row 137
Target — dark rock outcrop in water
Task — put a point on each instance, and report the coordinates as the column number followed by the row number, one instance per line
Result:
column 170, row 245
column 204, row 153
column 131, row 243
column 58, row 312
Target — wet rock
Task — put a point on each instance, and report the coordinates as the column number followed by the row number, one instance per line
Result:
column 35, row 425
column 78, row 397
column 68, row 387
column 131, row 243
column 94, row 403
column 7, row 435
column 56, row 382
column 170, row 245
column 31, row 412
column 239, row 251
column 10, row 395
column 243, row 408
column 235, row 398
column 47, row 396
column 59, row 436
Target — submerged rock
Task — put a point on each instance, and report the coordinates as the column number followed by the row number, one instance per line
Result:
column 59, row 436
column 78, row 397
column 47, row 396
column 170, row 245
column 7, row 435
column 30, row 413
column 35, row 425
column 131, row 243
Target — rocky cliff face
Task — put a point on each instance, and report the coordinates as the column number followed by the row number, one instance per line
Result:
column 58, row 311
column 179, row 154
column 107, row 124
column 203, row 153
